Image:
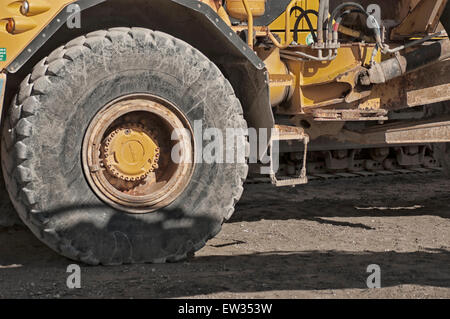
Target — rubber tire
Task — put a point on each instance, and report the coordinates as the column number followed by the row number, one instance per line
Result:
column 8, row 215
column 41, row 147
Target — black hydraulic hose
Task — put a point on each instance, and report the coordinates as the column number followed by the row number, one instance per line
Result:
column 339, row 8
column 339, row 20
column 304, row 14
column 308, row 21
column 360, row 8
column 343, row 14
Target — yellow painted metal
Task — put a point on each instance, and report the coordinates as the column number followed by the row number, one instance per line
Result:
column 41, row 14
column 288, row 36
column 355, row 34
column 249, row 12
column 130, row 153
column 217, row 6
column 224, row 15
column 348, row 57
column 214, row 4
column 37, row 7
column 278, row 26
column 320, row 84
column 317, row 84
column 281, row 80
column 23, row 24
column 237, row 10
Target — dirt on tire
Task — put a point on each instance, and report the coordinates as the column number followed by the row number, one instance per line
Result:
column 44, row 133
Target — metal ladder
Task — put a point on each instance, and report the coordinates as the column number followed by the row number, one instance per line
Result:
column 288, row 133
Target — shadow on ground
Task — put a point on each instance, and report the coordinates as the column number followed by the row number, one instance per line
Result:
column 262, row 202
column 29, row 261
column 30, row 269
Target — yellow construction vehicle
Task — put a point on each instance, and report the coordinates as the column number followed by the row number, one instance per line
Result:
column 115, row 111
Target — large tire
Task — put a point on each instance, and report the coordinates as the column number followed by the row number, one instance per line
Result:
column 44, row 136
column 8, row 215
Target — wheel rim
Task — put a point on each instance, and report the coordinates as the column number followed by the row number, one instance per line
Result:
column 127, row 153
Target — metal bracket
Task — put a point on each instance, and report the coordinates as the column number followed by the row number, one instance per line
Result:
column 350, row 115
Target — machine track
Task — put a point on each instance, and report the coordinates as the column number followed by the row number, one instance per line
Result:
column 357, row 163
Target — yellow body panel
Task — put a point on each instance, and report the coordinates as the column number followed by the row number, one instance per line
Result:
column 236, row 8
column 319, row 84
column 279, row 23
column 281, row 89
column 27, row 27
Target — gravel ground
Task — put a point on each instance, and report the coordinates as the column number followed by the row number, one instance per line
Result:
column 314, row 241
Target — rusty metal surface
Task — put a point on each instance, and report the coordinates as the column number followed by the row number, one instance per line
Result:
column 395, row 11
column 168, row 180
column 289, row 134
column 349, row 115
column 339, row 159
column 410, row 155
column 417, row 88
column 402, row 64
column 431, row 131
column 405, row 13
column 422, row 20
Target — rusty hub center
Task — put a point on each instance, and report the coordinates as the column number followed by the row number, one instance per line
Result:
column 130, row 153
column 127, row 153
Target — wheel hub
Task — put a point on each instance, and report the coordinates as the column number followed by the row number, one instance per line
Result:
column 127, row 153
column 130, row 153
